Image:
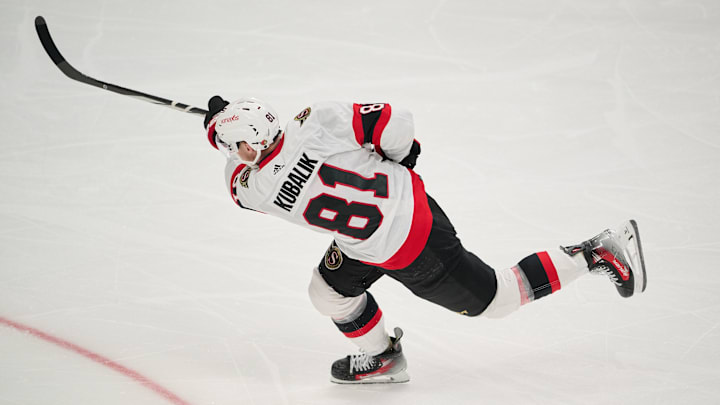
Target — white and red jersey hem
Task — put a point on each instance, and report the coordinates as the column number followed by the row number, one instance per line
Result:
column 419, row 230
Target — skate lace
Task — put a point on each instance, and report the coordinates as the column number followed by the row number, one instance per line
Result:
column 608, row 272
column 361, row 362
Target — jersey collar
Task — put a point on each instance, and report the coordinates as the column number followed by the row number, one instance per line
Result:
column 264, row 161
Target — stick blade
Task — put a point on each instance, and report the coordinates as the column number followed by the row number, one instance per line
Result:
column 54, row 54
column 47, row 41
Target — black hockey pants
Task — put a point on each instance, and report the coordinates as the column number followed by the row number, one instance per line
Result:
column 444, row 273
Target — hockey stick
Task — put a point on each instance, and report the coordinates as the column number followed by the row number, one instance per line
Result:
column 71, row 72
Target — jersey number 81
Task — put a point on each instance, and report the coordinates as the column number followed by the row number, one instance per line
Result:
column 354, row 219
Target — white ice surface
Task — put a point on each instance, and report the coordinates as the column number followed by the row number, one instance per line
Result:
column 542, row 122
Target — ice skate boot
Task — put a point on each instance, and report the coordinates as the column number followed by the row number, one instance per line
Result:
column 617, row 254
column 387, row 367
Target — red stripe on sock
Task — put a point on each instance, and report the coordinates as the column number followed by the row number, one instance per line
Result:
column 367, row 328
column 524, row 298
column 550, row 270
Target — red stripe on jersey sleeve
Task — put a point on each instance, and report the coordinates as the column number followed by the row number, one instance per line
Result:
column 357, row 125
column 380, row 127
column 419, row 230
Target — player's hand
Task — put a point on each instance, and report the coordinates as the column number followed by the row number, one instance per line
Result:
column 215, row 105
column 411, row 159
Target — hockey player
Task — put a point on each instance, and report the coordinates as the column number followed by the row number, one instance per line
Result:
column 347, row 170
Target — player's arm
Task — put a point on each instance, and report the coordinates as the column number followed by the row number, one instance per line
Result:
column 389, row 130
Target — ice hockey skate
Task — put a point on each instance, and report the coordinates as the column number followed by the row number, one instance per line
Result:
column 386, row 367
column 617, row 254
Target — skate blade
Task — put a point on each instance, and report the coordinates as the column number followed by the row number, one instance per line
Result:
column 633, row 249
column 401, row 377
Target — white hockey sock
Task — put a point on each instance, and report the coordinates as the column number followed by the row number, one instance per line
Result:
column 366, row 328
column 359, row 318
column 536, row 276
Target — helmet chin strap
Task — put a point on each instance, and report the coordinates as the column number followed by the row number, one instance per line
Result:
column 258, row 153
column 252, row 163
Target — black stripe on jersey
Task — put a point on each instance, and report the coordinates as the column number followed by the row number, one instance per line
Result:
column 536, row 275
column 242, row 206
column 371, row 308
column 369, row 121
column 237, row 201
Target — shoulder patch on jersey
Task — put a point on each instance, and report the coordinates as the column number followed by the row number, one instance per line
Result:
column 333, row 258
column 304, row 114
column 244, row 177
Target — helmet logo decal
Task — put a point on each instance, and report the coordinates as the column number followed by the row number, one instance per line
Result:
column 229, row 119
column 333, row 258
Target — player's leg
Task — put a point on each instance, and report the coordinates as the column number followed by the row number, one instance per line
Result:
column 338, row 290
column 447, row 274
column 450, row 276
column 615, row 253
column 354, row 311
column 471, row 287
column 534, row 277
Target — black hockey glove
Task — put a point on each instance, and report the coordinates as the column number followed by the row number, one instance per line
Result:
column 411, row 159
column 215, row 105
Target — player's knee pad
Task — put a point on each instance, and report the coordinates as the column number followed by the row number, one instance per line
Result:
column 331, row 303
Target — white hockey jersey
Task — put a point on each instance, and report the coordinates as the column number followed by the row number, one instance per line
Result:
column 328, row 173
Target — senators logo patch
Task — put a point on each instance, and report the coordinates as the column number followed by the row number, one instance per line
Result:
column 304, row 114
column 333, row 258
column 244, row 176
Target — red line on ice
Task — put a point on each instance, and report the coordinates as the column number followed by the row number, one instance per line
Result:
column 102, row 360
